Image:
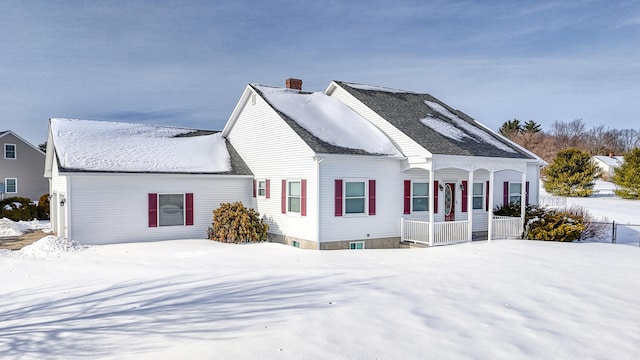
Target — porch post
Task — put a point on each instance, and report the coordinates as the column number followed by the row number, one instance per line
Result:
column 490, row 209
column 470, row 204
column 431, row 205
column 523, row 195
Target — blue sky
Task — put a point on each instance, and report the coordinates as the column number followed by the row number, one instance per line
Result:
column 186, row 63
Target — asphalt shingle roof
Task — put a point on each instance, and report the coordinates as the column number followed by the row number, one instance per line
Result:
column 406, row 109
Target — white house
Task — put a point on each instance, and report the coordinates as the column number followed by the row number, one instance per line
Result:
column 117, row 182
column 608, row 164
column 367, row 164
column 355, row 166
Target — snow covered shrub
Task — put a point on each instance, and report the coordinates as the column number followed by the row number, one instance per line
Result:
column 234, row 223
column 43, row 207
column 18, row 208
column 556, row 225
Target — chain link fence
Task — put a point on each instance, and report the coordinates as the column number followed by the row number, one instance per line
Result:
column 620, row 233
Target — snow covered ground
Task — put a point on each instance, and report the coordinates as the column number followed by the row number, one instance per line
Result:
column 198, row 299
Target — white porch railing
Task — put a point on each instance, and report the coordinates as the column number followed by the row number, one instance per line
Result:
column 448, row 232
column 414, row 231
column 553, row 201
column 506, row 227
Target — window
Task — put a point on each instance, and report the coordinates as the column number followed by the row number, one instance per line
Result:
column 262, row 188
column 293, row 196
column 296, row 243
column 170, row 209
column 354, row 197
column 11, row 185
column 420, row 196
column 356, row 245
column 9, row 151
column 515, row 192
column 478, row 195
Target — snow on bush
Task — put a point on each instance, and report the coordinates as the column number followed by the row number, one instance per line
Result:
column 51, row 246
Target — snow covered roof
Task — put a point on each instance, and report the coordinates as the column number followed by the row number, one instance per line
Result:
column 101, row 146
column 611, row 161
column 326, row 124
column 434, row 125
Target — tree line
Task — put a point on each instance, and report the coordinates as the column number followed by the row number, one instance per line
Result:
column 598, row 140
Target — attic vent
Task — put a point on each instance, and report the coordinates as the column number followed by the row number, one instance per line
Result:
column 295, row 84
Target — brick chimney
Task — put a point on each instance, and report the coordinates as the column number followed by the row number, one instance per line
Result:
column 295, row 84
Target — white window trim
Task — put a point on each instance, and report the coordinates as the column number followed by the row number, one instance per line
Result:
column 366, row 197
column 482, row 196
column 5, row 186
column 15, row 152
column 514, row 194
column 293, row 213
column 428, row 196
column 356, row 243
column 263, row 196
column 184, row 210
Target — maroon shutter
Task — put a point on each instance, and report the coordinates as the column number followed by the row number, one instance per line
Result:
column 153, row 210
column 267, row 191
column 407, row 197
column 486, row 197
column 505, row 194
column 526, row 194
column 254, row 187
column 372, row 197
column 435, row 197
column 188, row 199
column 303, row 197
column 465, row 192
column 283, row 197
column 338, row 197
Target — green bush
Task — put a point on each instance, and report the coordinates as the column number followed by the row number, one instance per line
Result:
column 234, row 223
column 43, row 207
column 572, row 173
column 18, row 208
column 627, row 176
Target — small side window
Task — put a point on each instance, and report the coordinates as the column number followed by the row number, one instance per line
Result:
column 356, row 245
column 9, row 151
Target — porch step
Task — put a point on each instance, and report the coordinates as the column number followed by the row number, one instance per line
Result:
column 411, row 245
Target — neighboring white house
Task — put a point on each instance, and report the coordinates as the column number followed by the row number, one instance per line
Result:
column 118, row 182
column 608, row 164
column 21, row 168
column 359, row 159
column 355, row 166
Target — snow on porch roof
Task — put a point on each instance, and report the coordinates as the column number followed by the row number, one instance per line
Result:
column 102, row 146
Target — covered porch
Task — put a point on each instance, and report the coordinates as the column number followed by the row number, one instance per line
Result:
column 461, row 195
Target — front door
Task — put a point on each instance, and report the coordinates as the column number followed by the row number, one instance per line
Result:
column 449, row 202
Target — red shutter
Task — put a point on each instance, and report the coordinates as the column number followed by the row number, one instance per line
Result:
column 267, row 191
column 407, row 197
column 372, row 197
column 188, row 199
column 435, row 197
column 486, row 197
column 338, row 197
column 254, row 187
column 153, row 210
column 465, row 192
column 505, row 194
column 303, row 197
column 526, row 194
column 283, row 197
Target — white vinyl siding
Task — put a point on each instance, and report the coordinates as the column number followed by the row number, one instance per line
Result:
column 123, row 203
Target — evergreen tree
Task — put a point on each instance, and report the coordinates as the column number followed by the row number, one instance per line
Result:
column 511, row 128
column 627, row 176
column 572, row 173
column 531, row 127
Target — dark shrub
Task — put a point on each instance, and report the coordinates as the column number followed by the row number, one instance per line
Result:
column 18, row 208
column 236, row 224
column 43, row 207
